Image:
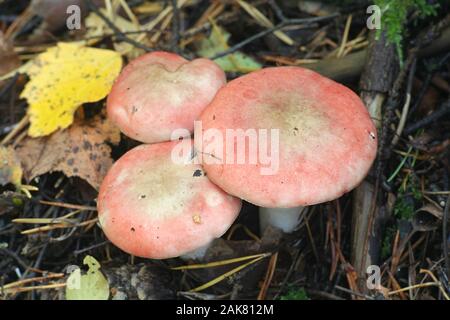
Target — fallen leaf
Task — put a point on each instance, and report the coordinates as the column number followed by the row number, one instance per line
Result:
column 90, row 286
column 10, row 168
column 97, row 28
column 80, row 151
column 62, row 79
column 216, row 43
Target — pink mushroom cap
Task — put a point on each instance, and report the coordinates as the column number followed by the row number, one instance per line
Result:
column 327, row 140
column 151, row 206
column 160, row 92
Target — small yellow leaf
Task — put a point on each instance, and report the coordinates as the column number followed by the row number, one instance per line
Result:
column 90, row 286
column 62, row 79
column 216, row 43
column 10, row 168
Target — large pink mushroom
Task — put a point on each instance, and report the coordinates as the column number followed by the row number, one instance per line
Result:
column 152, row 204
column 286, row 137
column 160, row 92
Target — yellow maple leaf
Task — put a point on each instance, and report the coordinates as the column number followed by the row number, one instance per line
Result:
column 62, row 79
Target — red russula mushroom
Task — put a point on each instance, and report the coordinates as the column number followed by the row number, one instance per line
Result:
column 160, row 92
column 153, row 207
column 327, row 140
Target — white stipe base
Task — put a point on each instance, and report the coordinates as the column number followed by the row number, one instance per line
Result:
column 197, row 254
column 286, row 219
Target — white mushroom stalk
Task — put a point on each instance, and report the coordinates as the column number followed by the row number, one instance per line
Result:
column 197, row 254
column 285, row 219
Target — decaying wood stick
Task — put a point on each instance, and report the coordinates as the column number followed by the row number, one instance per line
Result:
column 376, row 81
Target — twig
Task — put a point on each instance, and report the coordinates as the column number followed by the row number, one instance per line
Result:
column 423, row 40
column 438, row 283
column 262, row 20
column 442, row 111
column 324, row 294
column 68, row 205
column 405, row 110
column 228, row 17
column 228, row 274
column 42, row 287
column 8, row 18
column 77, row 252
column 422, row 285
column 288, row 275
column 20, row 125
column 119, row 34
column 444, row 236
column 221, row 263
column 175, row 27
column 246, row 230
column 270, row 30
column 348, row 23
column 426, row 83
column 311, row 239
column 353, row 292
column 16, row 257
column 268, row 278
column 9, row 85
column 350, row 66
column 28, row 280
column 393, row 100
column 276, row 8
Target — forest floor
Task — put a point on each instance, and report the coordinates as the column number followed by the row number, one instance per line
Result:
column 396, row 221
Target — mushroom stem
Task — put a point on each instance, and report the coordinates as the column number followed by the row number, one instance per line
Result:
column 285, row 219
column 197, row 254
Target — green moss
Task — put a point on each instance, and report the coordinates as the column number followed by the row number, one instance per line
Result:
column 386, row 248
column 17, row 202
column 403, row 209
column 295, row 294
column 394, row 15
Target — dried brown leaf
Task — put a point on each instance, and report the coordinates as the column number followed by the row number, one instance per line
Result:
column 80, row 151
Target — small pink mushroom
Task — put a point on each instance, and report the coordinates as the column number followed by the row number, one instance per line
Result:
column 160, row 92
column 154, row 207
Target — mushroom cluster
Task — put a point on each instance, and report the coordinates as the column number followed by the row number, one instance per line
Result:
column 280, row 138
column 156, row 202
